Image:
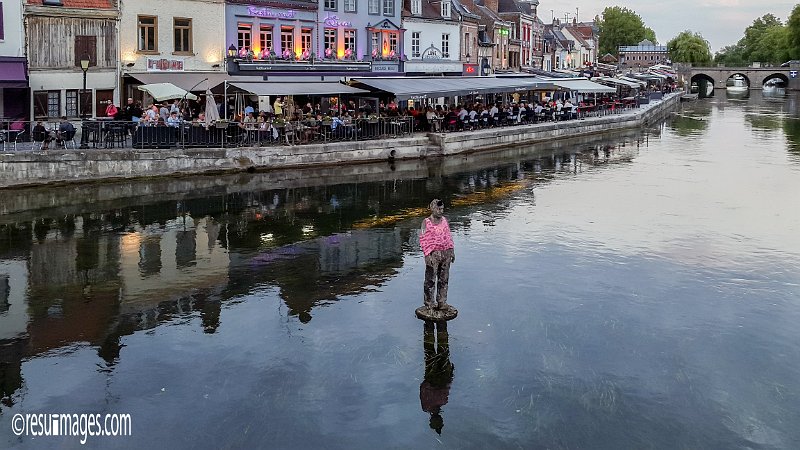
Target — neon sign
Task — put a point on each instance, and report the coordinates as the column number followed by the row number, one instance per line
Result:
column 271, row 13
column 333, row 21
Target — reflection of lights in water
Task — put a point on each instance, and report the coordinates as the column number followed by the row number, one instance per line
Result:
column 130, row 243
column 267, row 238
column 308, row 230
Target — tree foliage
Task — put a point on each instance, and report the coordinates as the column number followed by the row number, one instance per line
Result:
column 621, row 26
column 766, row 40
column 688, row 47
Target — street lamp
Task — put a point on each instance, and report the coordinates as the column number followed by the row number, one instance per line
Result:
column 85, row 68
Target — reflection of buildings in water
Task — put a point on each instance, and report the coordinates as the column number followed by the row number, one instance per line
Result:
column 324, row 268
column 13, row 308
column 158, row 264
column 434, row 391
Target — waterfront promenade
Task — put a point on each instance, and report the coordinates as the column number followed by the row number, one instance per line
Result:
column 67, row 165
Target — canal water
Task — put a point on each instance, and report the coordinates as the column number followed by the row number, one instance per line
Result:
column 634, row 290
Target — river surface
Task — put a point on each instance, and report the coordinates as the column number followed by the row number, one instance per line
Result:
column 634, row 290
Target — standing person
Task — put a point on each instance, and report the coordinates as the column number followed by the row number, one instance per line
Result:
column 111, row 110
column 437, row 245
column 277, row 107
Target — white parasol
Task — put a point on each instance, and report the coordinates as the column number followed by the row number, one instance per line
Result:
column 212, row 113
column 166, row 91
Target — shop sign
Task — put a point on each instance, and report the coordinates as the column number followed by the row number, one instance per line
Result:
column 270, row 13
column 385, row 67
column 164, row 65
column 333, row 21
column 470, row 70
column 792, row 74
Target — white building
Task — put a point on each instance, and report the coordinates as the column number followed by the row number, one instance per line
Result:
column 432, row 38
column 14, row 87
column 61, row 33
column 180, row 42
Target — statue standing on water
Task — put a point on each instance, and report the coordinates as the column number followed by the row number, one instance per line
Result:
column 437, row 245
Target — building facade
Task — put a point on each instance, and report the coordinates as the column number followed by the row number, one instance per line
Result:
column 432, row 38
column 645, row 54
column 14, row 85
column 306, row 37
column 169, row 39
column 85, row 30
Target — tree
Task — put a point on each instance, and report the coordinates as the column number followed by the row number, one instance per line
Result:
column 621, row 26
column 731, row 56
column 793, row 33
column 688, row 47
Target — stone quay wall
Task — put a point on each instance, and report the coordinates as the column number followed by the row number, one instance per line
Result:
column 65, row 166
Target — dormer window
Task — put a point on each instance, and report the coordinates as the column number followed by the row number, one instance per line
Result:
column 416, row 7
column 446, row 9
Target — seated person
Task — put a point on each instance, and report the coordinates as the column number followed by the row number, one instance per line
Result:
column 173, row 120
column 41, row 134
column 66, row 131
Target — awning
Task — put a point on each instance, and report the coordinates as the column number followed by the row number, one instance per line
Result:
column 166, row 91
column 634, row 80
column 582, row 85
column 13, row 73
column 415, row 88
column 190, row 81
column 618, row 82
column 296, row 88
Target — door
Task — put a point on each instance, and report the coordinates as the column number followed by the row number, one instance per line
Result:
column 103, row 96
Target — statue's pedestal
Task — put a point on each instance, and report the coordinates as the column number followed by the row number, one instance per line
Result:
column 436, row 315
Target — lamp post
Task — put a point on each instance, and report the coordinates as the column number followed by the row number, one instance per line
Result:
column 85, row 68
column 85, row 61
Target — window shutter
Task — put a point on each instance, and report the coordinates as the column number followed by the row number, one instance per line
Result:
column 79, row 45
column 91, row 49
column 2, row 23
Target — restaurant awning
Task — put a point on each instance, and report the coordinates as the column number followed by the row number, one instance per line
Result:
column 296, row 88
column 617, row 82
column 194, row 81
column 416, row 88
column 634, row 80
column 582, row 85
column 13, row 73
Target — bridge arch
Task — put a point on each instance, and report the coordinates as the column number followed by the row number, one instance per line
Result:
column 705, row 84
column 776, row 75
column 746, row 78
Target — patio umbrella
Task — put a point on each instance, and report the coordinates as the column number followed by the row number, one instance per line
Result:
column 212, row 113
column 166, row 91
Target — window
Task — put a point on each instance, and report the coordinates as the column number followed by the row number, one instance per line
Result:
column 446, row 9
column 446, row 45
column 2, row 23
column 86, row 46
column 183, row 35
column 330, row 5
column 350, row 6
column 287, row 40
column 72, row 103
column 148, row 34
column 374, row 6
column 416, row 7
column 330, row 42
column 388, row 7
column 244, row 36
column 46, row 104
column 415, row 44
column 394, row 38
column 305, row 40
column 376, row 42
column 265, row 39
column 349, row 42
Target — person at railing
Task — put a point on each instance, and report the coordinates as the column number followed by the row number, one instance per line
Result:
column 201, row 119
column 151, row 115
column 434, row 124
column 336, row 125
column 173, row 120
column 568, row 109
column 111, row 110
column 493, row 113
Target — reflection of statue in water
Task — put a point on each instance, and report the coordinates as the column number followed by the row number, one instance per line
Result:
column 435, row 388
column 437, row 245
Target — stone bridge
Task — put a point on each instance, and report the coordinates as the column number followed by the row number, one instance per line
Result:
column 755, row 77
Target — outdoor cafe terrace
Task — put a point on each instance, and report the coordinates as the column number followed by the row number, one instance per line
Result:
column 398, row 119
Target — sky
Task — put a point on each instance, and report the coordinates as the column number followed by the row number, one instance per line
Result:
column 721, row 22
